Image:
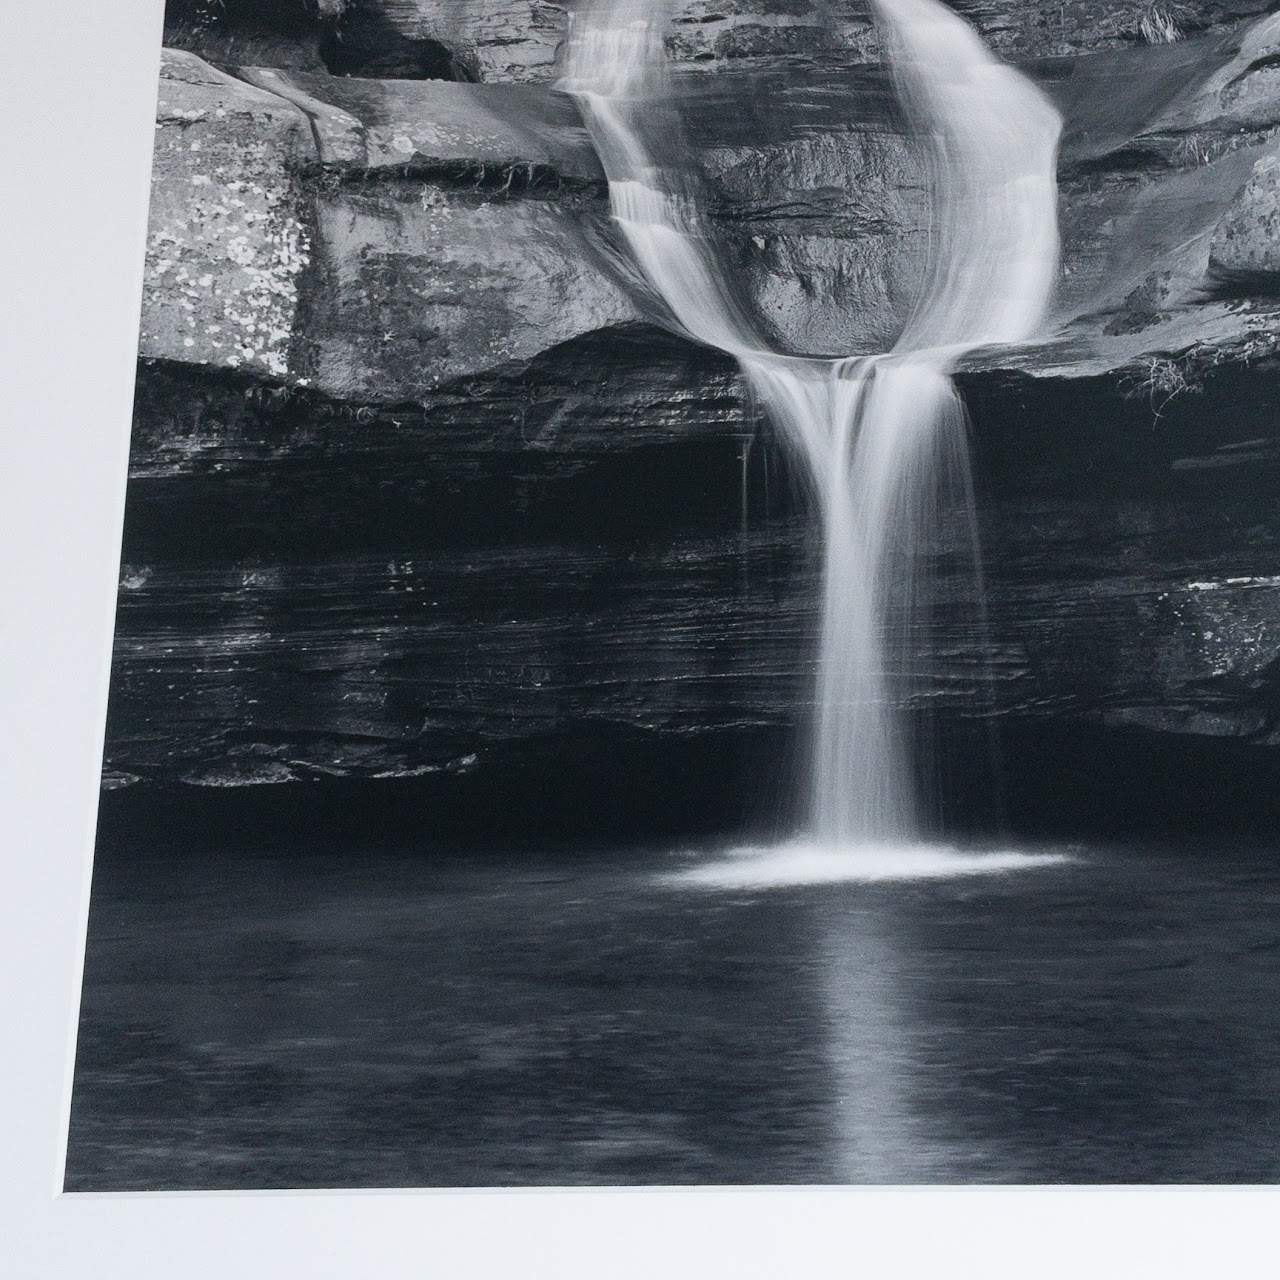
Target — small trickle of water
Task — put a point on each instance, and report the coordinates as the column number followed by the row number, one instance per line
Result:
column 881, row 436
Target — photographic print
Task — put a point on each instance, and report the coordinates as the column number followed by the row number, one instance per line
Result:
column 699, row 604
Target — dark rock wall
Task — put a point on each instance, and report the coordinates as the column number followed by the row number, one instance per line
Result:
column 613, row 539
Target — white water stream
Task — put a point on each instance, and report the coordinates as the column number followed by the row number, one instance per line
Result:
column 881, row 435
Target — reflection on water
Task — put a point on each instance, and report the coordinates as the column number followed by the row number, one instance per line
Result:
column 878, row 1132
column 884, row 1053
column 881, row 1137
column 863, row 948
column 431, row 1019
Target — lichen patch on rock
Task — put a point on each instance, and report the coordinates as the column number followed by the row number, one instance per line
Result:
column 227, row 237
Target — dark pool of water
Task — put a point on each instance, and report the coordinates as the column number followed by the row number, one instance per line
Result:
column 433, row 1019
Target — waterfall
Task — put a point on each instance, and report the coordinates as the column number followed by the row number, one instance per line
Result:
column 881, row 436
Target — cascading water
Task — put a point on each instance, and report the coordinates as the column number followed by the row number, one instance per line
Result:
column 881, row 435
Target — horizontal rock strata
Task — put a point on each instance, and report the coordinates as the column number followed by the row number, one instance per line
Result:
column 309, row 594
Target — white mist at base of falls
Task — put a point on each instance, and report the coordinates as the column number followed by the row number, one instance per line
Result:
column 805, row 863
column 881, row 436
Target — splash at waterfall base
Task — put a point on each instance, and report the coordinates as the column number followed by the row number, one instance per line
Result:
column 810, row 864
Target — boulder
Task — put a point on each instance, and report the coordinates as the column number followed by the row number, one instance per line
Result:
column 1018, row 30
column 1156, row 159
column 747, row 33
column 510, row 40
column 429, row 126
column 372, row 239
column 1246, row 242
column 228, row 235
column 831, row 262
column 414, row 287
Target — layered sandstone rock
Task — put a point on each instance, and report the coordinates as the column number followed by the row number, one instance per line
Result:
column 612, row 542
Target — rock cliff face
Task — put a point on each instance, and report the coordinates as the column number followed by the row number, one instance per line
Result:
column 417, row 481
column 378, row 238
